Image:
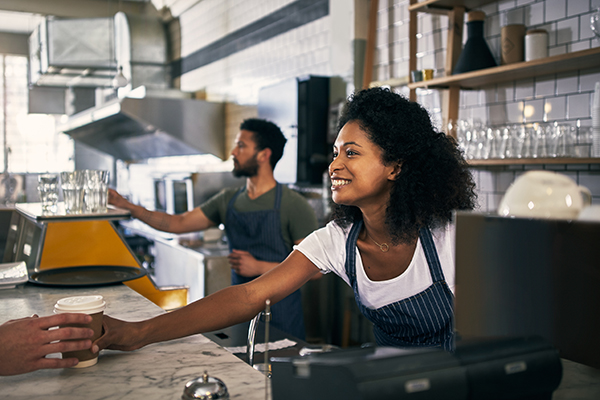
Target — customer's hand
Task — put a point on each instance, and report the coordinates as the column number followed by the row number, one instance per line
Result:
column 24, row 343
column 115, row 199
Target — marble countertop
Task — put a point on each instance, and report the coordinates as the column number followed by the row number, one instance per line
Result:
column 160, row 371
column 157, row 371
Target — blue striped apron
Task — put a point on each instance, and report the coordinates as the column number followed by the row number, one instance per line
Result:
column 259, row 233
column 423, row 320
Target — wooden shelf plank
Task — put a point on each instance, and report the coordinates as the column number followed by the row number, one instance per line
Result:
column 431, row 5
column 574, row 61
column 532, row 161
column 393, row 82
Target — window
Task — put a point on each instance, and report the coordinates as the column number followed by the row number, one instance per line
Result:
column 29, row 143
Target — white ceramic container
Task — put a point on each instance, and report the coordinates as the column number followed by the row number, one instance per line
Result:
column 544, row 194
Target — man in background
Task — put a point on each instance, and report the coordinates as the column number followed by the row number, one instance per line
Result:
column 263, row 220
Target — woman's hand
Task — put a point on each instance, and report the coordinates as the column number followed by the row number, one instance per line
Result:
column 118, row 335
column 25, row 342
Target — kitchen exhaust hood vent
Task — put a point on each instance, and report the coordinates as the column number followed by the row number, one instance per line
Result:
column 88, row 52
column 73, row 52
column 140, row 128
column 148, row 118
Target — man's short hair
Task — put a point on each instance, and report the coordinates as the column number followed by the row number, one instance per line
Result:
column 266, row 135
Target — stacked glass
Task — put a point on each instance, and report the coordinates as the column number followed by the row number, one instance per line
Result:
column 96, row 191
column 537, row 140
column 72, row 188
column 48, row 189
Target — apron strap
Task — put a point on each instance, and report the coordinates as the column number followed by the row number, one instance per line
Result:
column 350, row 265
column 433, row 260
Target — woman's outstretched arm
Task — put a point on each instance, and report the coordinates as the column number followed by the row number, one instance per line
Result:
column 226, row 307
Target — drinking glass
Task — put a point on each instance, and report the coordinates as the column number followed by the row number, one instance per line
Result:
column 583, row 147
column 511, row 141
column 521, row 141
column 560, row 140
column 526, row 151
column 570, row 141
column 595, row 22
column 461, row 136
column 538, row 140
column 504, row 141
column 95, row 191
column 473, row 138
column 478, row 139
column 497, row 148
column 488, row 143
column 72, row 184
column 48, row 189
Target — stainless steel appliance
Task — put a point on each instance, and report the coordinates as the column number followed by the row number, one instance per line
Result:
column 178, row 192
column 174, row 194
column 73, row 64
column 300, row 107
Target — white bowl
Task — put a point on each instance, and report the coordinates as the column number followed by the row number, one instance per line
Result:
column 544, row 194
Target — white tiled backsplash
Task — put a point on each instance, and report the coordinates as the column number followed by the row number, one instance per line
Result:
column 314, row 48
column 238, row 77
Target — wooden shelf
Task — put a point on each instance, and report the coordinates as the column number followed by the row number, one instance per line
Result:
column 569, row 62
column 432, row 6
column 455, row 10
column 532, row 161
column 401, row 81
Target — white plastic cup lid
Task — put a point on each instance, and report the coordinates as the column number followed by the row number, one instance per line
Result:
column 80, row 304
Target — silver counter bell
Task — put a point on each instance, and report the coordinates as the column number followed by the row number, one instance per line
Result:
column 206, row 387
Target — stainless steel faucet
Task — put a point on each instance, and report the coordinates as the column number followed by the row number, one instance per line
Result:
column 252, row 334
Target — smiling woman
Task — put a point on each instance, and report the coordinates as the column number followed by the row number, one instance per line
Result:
column 432, row 176
column 395, row 181
column 357, row 173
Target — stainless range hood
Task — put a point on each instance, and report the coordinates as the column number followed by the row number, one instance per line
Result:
column 145, row 119
column 140, row 128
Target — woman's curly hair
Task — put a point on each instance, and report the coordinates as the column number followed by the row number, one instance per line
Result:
column 434, row 177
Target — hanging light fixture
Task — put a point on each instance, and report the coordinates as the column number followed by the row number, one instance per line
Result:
column 120, row 80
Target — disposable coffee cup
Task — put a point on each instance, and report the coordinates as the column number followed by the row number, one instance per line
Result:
column 92, row 305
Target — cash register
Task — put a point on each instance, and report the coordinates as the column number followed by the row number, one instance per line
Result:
column 491, row 368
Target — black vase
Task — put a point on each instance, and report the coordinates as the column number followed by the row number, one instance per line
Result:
column 475, row 54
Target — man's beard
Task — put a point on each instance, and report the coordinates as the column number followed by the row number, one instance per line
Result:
column 249, row 170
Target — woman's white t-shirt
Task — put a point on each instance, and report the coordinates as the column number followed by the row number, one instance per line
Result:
column 326, row 248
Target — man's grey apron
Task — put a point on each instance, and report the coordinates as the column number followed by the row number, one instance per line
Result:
column 423, row 320
column 259, row 233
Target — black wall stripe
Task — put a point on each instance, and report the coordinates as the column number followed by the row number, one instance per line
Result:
column 287, row 18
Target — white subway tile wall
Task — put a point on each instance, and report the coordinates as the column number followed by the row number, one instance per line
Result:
column 308, row 49
column 238, row 77
column 555, row 109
